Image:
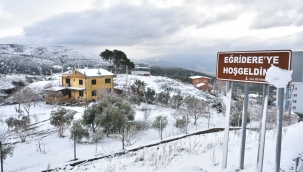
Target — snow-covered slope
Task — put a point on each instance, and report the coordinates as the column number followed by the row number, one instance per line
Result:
column 44, row 149
column 159, row 84
column 24, row 59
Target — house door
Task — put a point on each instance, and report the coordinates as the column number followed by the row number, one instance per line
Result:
column 68, row 92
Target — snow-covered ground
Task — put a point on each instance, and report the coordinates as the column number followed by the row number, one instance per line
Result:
column 193, row 153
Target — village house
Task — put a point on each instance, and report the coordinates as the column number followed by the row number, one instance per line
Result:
column 201, row 82
column 80, row 85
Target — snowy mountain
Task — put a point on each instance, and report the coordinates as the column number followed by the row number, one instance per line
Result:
column 34, row 60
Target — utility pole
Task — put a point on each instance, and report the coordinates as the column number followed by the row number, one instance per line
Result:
column 1, row 156
column 123, row 137
column 161, row 127
column 290, row 102
column 75, row 147
column 126, row 80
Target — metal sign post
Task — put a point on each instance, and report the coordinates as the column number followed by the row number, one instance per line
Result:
column 251, row 67
column 1, row 157
column 279, row 129
column 244, row 122
column 263, row 128
column 259, row 141
column 226, row 131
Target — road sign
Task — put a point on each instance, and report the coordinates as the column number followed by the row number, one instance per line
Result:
column 250, row 66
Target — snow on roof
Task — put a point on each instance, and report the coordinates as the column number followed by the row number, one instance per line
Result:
column 55, row 89
column 91, row 72
column 58, row 88
column 196, row 77
column 199, row 85
column 254, row 95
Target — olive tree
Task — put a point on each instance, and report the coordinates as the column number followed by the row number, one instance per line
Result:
column 160, row 123
column 20, row 126
column 89, row 116
column 115, row 113
column 62, row 119
column 78, row 132
column 7, row 149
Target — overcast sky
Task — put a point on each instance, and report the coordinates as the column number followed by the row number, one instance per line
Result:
column 185, row 33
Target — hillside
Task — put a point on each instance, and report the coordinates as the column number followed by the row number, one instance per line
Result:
column 39, row 61
column 34, row 60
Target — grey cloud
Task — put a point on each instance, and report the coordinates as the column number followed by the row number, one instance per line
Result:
column 276, row 20
column 219, row 17
column 272, row 14
column 121, row 24
column 205, row 56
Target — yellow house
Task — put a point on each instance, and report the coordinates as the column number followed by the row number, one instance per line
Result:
column 84, row 84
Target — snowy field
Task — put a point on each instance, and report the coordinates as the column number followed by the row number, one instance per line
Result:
column 45, row 149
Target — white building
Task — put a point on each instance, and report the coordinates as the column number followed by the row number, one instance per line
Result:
column 297, row 97
column 142, row 71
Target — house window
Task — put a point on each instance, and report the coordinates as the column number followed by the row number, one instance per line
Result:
column 81, row 93
column 80, row 82
column 107, row 81
column 67, row 80
column 197, row 80
column 295, row 95
column 94, row 82
column 94, row 93
column 295, row 101
column 204, row 81
column 294, row 107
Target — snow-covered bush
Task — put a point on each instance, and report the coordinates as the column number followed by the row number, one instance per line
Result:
column 163, row 98
column 176, row 101
column 236, row 119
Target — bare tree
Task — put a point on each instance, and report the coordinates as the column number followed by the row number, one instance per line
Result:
column 271, row 117
column 97, row 137
column 195, row 108
column 146, row 113
column 101, row 92
column 208, row 112
column 129, row 135
column 29, row 98
column 181, row 119
column 220, row 87
column 53, row 97
column 18, row 98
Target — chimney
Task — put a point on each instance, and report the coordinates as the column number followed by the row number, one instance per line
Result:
column 99, row 72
